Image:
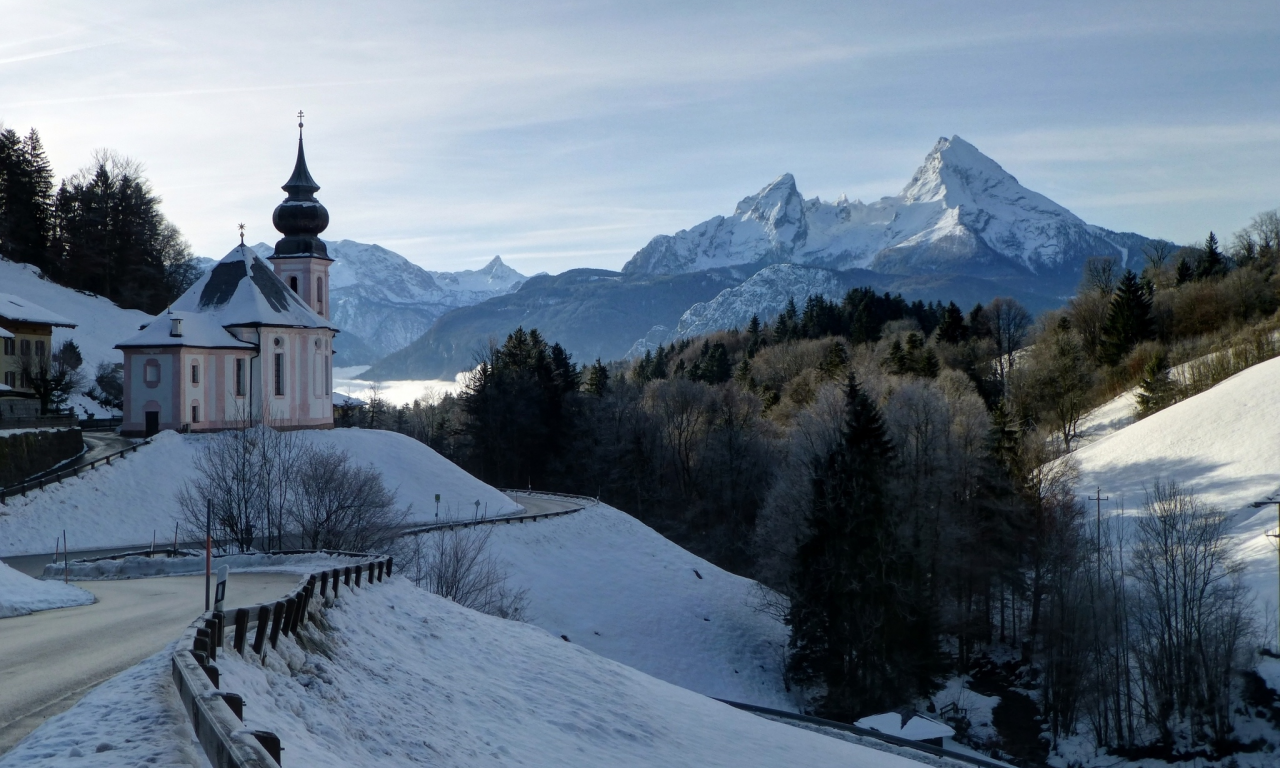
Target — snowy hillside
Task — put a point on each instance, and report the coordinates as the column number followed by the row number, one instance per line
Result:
column 1223, row 443
column 615, row 586
column 383, row 301
column 100, row 324
column 960, row 213
column 123, row 504
column 472, row 690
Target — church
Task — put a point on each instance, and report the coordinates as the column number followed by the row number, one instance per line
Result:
column 249, row 342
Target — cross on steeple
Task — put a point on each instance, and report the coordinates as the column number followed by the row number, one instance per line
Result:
column 241, row 234
column 299, row 123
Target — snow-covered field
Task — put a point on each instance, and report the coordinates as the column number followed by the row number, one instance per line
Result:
column 613, row 585
column 100, row 324
column 397, row 392
column 131, row 500
column 407, row 678
column 1223, row 443
column 20, row 594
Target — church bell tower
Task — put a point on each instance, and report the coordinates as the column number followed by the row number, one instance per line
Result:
column 301, row 259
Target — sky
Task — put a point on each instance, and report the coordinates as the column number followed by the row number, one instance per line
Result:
column 567, row 134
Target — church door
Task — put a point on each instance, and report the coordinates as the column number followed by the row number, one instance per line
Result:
column 152, row 423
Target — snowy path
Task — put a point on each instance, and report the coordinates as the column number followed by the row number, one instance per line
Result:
column 49, row 660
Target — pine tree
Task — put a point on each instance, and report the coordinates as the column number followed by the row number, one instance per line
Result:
column 952, row 329
column 1211, row 260
column 859, row 628
column 753, row 335
column 834, row 361
column 597, row 379
column 1183, row 273
column 1156, row 388
column 1128, row 320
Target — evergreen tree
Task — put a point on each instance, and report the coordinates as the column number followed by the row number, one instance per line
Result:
column 859, row 628
column 26, row 199
column 597, row 379
column 754, row 340
column 1128, row 320
column 1212, row 262
column 952, row 329
column 1156, row 388
column 834, row 361
column 1182, row 273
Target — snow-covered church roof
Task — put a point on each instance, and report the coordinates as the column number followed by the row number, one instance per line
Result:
column 241, row 290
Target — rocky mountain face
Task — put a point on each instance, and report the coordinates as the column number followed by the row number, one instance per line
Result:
column 961, row 213
column 382, row 301
column 962, row 229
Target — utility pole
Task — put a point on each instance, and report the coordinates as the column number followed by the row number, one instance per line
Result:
column 1276, row 536
column 208, row 549
column 1098, row 497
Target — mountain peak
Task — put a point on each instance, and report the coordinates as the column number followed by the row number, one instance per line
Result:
column 956, row 173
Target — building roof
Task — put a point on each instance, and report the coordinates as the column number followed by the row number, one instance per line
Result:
column 5, row 334
column 907, row 726
column 20, row 309
column 241, row 290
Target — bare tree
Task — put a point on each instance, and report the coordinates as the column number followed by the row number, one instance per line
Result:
column 1010, row 323
column 457, row 564
column 335, row 503
column 1101, row 274
column 228, row 472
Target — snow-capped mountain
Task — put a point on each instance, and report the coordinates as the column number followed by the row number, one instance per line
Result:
column 382, row 301
column 961, row 213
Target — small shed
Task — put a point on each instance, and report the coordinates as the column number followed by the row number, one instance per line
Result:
column 908, row 725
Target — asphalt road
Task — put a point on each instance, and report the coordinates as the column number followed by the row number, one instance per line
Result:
column 48, row 660
column 96, row 446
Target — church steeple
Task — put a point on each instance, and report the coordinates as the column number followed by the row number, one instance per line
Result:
column 300, row 217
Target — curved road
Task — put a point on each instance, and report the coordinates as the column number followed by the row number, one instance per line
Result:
column 96, row 446
column 48, row 660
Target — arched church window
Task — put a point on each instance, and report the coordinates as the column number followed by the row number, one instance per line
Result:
column 293, row 283
column 320, row 295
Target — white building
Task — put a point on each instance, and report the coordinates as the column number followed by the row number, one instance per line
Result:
column 250, row 341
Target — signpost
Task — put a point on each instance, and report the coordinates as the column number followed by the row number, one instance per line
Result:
column 220, row 591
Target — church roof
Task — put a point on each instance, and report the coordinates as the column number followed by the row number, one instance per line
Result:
column 241, row 290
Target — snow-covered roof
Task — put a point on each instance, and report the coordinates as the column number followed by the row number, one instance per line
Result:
column 20, row 309
column 907, row 726
column 5, row 334
column 195, row 329
column 240, row 290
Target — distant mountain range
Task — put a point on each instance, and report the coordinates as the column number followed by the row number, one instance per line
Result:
column 962, row 229
column 382, row 301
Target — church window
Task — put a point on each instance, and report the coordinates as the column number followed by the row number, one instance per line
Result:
column 239, row 377
column 195, row 373
column 279, row 374
column 320, row 295
column 293, row 283
column 328, row 377
column 151, row 373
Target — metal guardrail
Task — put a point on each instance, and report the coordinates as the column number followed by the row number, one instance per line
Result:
column 57, row 477
column 218, row 716
column 897, row 741
column 56, row 421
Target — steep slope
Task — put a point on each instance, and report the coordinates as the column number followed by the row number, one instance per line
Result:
column 100, row 324
column 961, row 213
column 615, row 586
column 470, row 689
column 1223, row 443
column 592, row 312
column 382, row 301
column 133, row 499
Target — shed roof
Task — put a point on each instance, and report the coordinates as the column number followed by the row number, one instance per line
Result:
column 23, row 310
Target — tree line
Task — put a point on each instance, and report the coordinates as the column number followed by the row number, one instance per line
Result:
column 899, row 477
column 98, row 230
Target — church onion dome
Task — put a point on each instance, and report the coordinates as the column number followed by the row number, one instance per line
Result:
column 301, row 217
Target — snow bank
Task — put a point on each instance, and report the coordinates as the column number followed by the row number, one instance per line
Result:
column 20, row 594
column 405, row 677
column 124, row 504
column 133, row 719
column 613, row 585
column 142, row 567
column 1224, row 443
